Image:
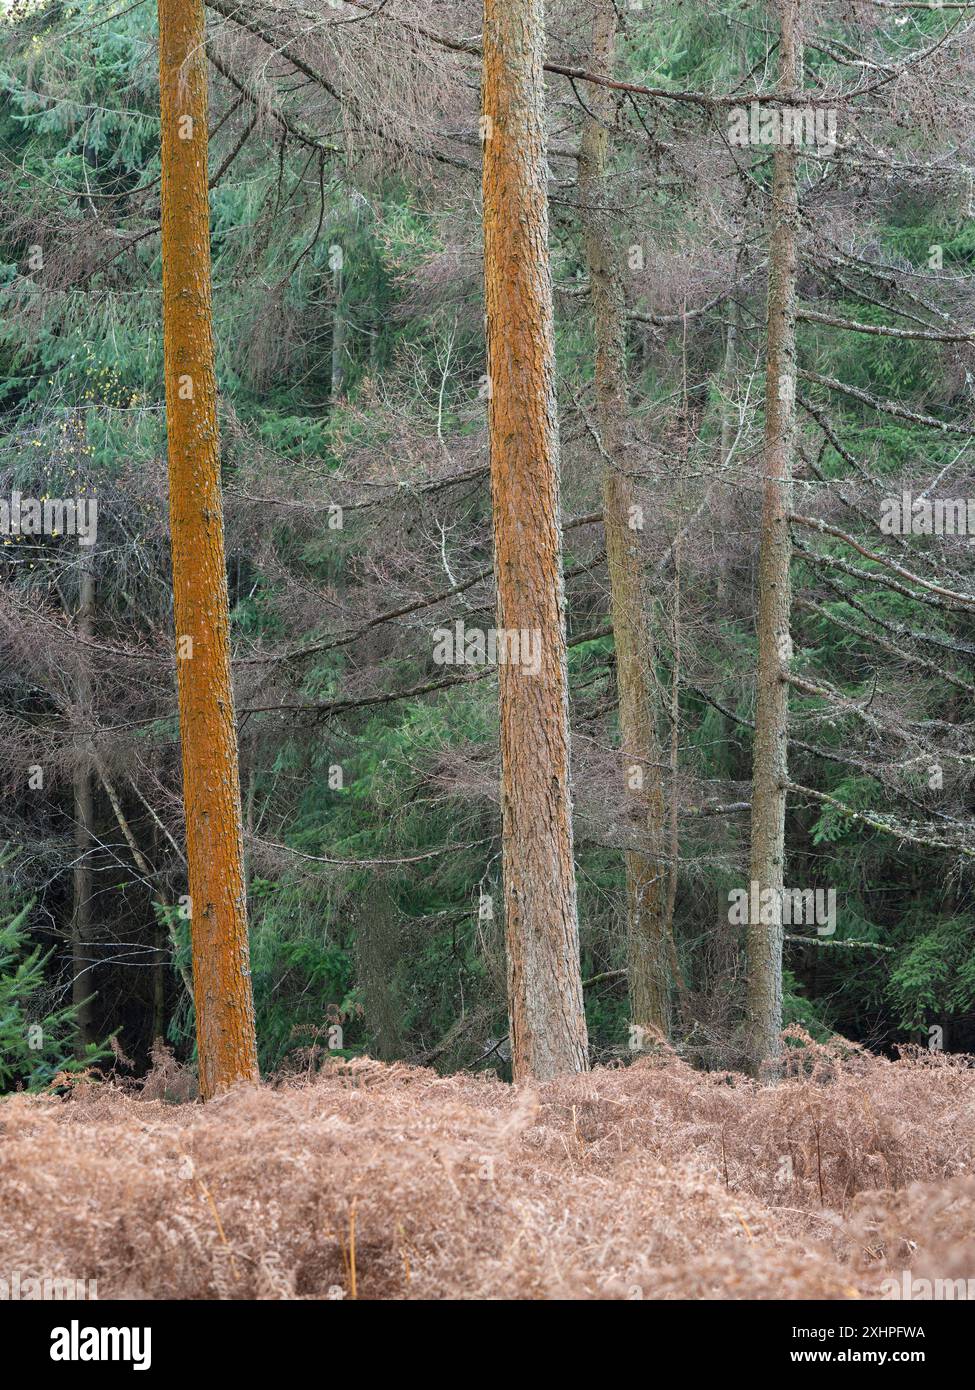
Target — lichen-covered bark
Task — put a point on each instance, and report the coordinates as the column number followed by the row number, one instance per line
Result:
column 211, row 789
column 770, row 765
column 548, row 1027
column 648, row 953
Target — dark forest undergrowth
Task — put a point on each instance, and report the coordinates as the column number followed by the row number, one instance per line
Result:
column 649, row 1181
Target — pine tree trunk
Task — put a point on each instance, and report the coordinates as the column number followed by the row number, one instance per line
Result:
column 211, row 785
column 83, row 885
column 729, row 379
column 648, row 952
column 548, row 1025
column 338, row 340
column 770, row 766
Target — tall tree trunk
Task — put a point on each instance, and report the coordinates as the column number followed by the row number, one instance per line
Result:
column 81, row 917
column 211, row 783
column 648, row 951
column 339, row 328
column 548, row 1023
column 770, row 766
column 729, row 379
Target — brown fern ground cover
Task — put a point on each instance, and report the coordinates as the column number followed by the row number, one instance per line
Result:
column 650, row 1181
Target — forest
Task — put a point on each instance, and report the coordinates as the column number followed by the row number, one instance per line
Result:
column 487, row 619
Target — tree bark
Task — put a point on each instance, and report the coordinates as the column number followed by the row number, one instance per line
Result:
column 729, row 379
column 548, row 1025
column 770, row 757
column 211, row 784
column 338, row 339
column 648, row 949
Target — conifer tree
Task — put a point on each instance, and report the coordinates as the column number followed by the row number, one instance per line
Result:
column 548, row 1024
column 211, row 782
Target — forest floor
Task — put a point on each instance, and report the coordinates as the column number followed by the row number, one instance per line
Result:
column 371, row 1181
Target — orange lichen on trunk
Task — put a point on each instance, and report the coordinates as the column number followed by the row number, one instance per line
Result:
column 548, row 1025
column 211, row 786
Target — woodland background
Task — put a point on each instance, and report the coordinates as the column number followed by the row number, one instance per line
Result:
column 346, row 243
